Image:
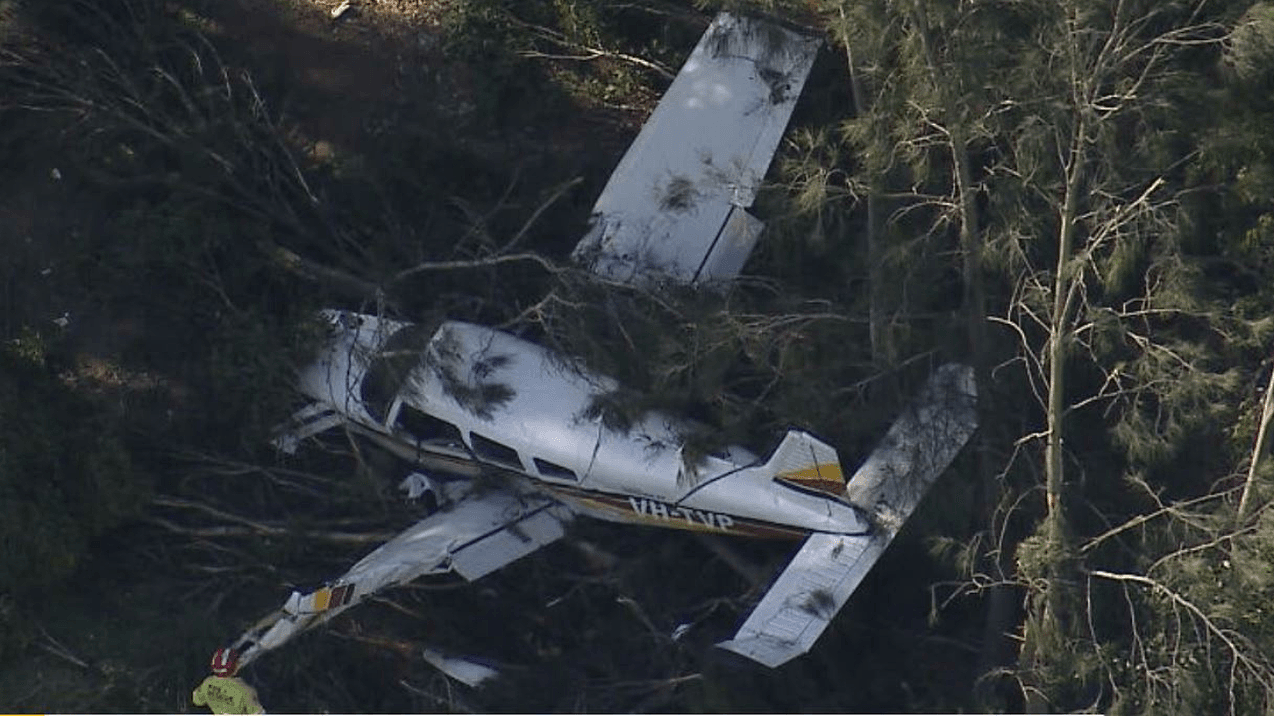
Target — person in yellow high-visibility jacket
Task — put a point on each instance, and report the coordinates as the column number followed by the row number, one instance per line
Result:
column 225, row 693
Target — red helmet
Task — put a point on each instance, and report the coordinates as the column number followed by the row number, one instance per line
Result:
column 224, row 662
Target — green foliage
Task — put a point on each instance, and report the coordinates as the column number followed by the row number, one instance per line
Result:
column 65, row 476
column 1250, row 46
column 618, row 410
column 788, row 9
column 30, row 346
column 481, row 34
column 1188, row 636
column 219, row 314
column 1154, row 364
column 522, row 50
column 251, row 368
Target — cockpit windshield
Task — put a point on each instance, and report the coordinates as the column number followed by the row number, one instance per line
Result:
column 398, row 357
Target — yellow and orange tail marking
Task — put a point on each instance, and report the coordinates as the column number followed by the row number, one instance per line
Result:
column 826, row 477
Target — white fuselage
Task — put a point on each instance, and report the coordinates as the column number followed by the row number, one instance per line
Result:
column 443, row 397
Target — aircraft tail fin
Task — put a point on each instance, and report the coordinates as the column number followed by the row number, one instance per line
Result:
column 808, row 462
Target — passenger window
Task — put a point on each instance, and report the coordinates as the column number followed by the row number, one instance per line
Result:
column 549, row 469
column 426, row 428
column 494, row 452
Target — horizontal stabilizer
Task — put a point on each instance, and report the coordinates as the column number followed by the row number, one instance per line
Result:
column 828, row 568
column 918, row 447
column 805, row 597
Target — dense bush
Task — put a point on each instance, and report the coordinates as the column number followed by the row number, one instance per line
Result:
column 65, row 475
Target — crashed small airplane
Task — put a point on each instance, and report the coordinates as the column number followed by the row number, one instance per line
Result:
column 460, row 401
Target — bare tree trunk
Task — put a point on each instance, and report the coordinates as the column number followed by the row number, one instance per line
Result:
column 1259, row 450
column 970, row 234
column 997, row 645
column 1064, row 290
column 1049, row 619
column 971, row 245
column 881, row 346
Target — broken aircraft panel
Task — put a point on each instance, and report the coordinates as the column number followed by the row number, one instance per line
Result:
column 477, row 534
column 674, row 208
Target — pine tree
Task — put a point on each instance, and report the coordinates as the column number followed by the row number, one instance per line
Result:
column 1067, row 117
column 1110, row 315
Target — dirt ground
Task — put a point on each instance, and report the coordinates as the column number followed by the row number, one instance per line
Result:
column 342, row 74
column 344, row 88
column 349, row 79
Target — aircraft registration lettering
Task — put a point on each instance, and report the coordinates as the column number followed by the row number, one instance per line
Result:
column 693, row 518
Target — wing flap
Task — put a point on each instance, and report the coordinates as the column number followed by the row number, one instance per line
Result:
column 507, row 545
column 733, row 246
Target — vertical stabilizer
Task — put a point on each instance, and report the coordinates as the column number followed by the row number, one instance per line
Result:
column 808, row 462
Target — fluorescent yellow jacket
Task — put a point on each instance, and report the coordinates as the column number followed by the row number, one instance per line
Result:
column 227, row 695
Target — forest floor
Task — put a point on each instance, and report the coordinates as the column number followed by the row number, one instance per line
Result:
column 344, row 86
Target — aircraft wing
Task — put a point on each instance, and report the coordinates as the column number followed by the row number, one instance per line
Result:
column 476, row 534
column 674, row 208
column 828, row 568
